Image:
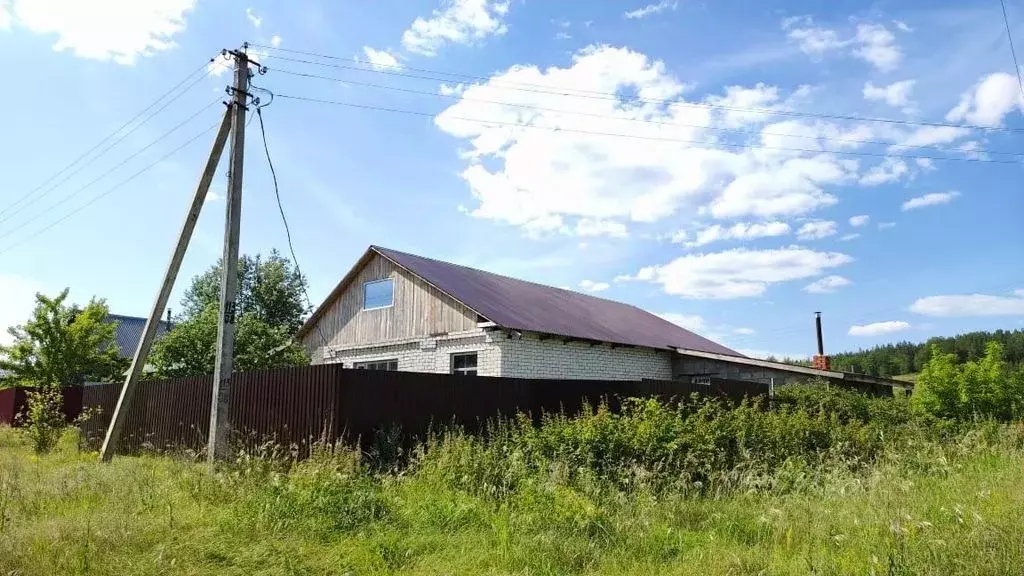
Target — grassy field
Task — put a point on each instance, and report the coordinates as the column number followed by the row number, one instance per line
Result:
column 950, row 507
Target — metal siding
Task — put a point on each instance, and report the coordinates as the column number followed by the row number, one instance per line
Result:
column 295, row 407
column 522, row 305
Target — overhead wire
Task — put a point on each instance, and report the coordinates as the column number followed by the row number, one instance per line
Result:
column 171, row 91
column 110, row 190
column 1013, row 51
column 648, row 138
column 280, row 208
column 1019, row 155
column 399, row 71
column 109, row 171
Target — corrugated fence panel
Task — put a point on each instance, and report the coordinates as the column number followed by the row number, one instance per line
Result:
column 294, row 407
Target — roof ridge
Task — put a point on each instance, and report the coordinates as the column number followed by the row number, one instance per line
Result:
column 542, row 285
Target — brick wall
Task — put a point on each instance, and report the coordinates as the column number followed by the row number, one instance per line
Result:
column 429, row 354
column 528, row 357
column 531, row 357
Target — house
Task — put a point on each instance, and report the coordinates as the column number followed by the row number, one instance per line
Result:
column 129, row 332
column 399, row 311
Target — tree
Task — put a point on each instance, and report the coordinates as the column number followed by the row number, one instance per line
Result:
column 62, row 345
column 269, row 311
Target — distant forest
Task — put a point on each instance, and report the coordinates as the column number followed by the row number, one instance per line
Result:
column 908, row 357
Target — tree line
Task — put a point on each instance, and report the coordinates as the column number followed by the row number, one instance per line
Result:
column 909, row 357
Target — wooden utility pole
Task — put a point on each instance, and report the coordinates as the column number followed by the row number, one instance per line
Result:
column 131, row 382
column 220, row 405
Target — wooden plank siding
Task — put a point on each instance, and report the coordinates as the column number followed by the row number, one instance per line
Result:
column 419, row 310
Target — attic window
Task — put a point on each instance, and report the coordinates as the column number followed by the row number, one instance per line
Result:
column 378, row 294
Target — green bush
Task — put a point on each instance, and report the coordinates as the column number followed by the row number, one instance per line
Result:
column 983, row 388
column 43, row 421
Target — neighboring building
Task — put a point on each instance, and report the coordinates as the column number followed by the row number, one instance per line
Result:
column 398, row 311
column 129, row 332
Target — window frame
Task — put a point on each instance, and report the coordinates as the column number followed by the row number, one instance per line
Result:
column 465, row 370
column 374, row 365
column 380, row 281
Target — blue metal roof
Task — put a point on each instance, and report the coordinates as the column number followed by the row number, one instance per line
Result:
column 129, row 332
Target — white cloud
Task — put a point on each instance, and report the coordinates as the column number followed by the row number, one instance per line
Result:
column 873, row 43
column 744, row 331
column 118, row 30
column 877, row 45
column 790, row 188
column 563, row 36
column 380, row 59
column 925, row 164
column 19, row 298
column 5, row 15
column 738, row 273
column 460, row 22
column 826, row 285
column 652, row 9
column 212, row 197
column 889, row 170
column 902, row 26
column 896, row 94
column 932, row 199
column 816, row 230
column 739, row 231
column 690, row 322
column 275, row 40
column 639, row 160
column 989, row 101
column 591, row 286
column 813, row 40
column 965, row 305
column 848, row 237
column 587, row 227
column 931, row 135
column 678, row 237
column 858, row 221
column 879, row 328
column 255, row 20
column 886, row 225
column 740, row 104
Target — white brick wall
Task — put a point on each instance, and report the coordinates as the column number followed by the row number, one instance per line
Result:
column 531, row 357
column 429, row 354
column 528, row 357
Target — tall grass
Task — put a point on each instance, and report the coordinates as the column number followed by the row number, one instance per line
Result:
column 819, row 483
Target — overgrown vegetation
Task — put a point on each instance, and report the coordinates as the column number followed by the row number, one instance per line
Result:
column 820, row 480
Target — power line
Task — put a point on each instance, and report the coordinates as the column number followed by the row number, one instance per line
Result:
column 280, row 208
column 110, row 190
column 646, row 138
column 110, row 136
column 578, row 93
column 637, row 120
column 57, row 204
column 1013, row 52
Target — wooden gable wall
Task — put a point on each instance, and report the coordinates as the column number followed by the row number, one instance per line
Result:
column 419, row 310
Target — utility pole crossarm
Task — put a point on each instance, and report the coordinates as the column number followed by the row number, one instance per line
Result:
column 131, row 382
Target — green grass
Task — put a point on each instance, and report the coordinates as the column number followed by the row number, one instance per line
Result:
column 924, row 507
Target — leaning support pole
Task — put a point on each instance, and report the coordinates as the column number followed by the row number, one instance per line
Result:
column 124, row 402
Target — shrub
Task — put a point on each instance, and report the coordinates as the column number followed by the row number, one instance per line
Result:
column 43, row 420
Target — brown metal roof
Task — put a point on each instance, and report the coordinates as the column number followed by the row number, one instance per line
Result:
column 520, row 305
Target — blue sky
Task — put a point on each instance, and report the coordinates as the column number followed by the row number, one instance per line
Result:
column 711, row 162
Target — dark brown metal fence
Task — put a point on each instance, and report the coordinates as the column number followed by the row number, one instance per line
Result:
column 297, row 406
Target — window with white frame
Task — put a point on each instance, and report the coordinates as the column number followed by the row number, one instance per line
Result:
column 390, row 365
column 464, row 364
column 378, row 294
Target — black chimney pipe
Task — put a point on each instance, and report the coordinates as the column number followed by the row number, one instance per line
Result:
column 817, row 326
